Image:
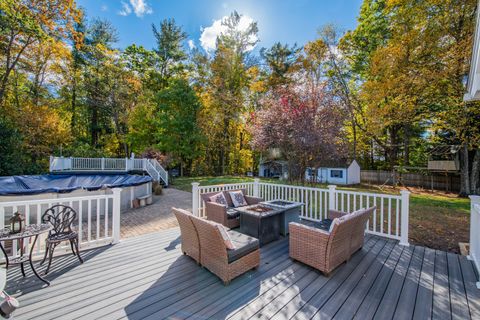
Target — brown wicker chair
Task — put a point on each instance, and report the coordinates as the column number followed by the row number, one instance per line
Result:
column 324, row 250
column 226, row 264
column 222, row 214
column 189, row 235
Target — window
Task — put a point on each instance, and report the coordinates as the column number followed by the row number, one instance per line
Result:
column 336, row 174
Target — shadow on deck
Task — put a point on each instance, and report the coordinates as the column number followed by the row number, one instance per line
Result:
column 147, row 277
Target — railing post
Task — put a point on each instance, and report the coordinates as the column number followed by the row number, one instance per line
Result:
column 195, row 199
column 116, row 215
column 126, row 164
column 103, row 163
column 404, row 217
column 474, row 254
column 331, row 197
column 256, row 191
column 51, row 163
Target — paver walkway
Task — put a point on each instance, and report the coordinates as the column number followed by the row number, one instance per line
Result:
column 157, row 216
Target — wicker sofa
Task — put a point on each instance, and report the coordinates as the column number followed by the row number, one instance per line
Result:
column 190, row 241
column 325, row 250
column 225, row 215
column 225, row 263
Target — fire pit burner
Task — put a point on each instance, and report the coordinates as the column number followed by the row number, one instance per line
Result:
column 260, row 209
column 281, row 203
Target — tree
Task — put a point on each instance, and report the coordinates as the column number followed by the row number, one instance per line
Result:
column 98, row 54
column 27, row 22
column 176, row 118
column 304, row 126
column 227, row 94
column 169, row 50
column 281, row 61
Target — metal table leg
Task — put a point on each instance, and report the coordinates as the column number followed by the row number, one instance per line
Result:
column 31, row 262
column 5, row 254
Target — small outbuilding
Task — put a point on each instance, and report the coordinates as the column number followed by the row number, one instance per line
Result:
column 338, row 172
column 273, row 169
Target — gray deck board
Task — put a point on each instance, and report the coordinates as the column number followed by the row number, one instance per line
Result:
column 316, row 302
column 335, row 302
column 149, row 278
column 391, row 295
column 406, row 302
column 441, row 290
column 423, row 304
column 458, row 297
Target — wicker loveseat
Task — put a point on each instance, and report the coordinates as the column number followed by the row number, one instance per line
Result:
column 325, row 250
column 214, row 255
column 190, row 241
column 222, row 214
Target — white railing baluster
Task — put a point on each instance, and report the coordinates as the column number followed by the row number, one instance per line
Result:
column 98, row 218
column 89, row 220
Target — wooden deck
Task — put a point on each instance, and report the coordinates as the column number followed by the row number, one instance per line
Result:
column 147, row 277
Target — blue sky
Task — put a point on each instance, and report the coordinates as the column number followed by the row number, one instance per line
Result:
column 292, row 21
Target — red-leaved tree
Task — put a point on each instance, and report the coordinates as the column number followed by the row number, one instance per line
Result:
column 305, row 124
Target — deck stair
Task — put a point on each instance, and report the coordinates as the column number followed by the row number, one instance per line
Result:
column 111, row 165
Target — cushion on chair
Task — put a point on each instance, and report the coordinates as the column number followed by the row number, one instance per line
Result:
column 219, row 198
column 325, row 224
column 243, row 245
column 232, row 213
column 238, row 200
column 226, row 237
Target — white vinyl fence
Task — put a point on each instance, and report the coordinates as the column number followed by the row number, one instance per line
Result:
column 73, row 164
column 390, row 219
column 97, row 221
column 475, row 233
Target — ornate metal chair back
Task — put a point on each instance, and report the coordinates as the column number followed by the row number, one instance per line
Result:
column 61, row 218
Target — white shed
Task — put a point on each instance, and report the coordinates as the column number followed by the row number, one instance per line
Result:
column 341, row 172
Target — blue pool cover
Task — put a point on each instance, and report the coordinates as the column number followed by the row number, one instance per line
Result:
column 24, row 185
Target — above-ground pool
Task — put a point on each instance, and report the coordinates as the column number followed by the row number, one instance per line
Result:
column 13, row 188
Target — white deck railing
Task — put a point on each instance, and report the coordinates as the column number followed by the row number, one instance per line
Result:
column 72, row 164
column 390, row 219
column 97, row 221
column 475, row 232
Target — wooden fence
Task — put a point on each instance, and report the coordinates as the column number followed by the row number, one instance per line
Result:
column 433, row 181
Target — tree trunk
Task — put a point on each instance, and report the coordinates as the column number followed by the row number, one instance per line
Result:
column 406, row 145
column 465, row 172
column 73, row 105
column 475, row 176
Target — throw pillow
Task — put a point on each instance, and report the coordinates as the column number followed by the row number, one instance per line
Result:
column 226, row 238
column 219, row 198
column 238, row 199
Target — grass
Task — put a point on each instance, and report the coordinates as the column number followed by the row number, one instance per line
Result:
column 437, row 220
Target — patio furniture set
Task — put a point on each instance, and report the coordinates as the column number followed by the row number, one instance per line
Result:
column 214, row 244
column 58, row 222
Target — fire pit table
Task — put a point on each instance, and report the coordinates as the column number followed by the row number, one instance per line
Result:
column 290, row 212
column 260, row 221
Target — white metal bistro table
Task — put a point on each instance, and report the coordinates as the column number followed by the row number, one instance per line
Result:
column 30, row 231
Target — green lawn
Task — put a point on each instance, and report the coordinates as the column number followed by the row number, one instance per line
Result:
column 437, row 221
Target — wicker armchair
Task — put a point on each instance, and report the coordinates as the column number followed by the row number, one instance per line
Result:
column 189, row 235
column 225, row 215
column 323, row 250
column 226, row 264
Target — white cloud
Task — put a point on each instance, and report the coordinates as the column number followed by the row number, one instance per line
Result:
column 139, row 7
column 104, row 8
column 126, row 10
column 208, row 38
column 191, row 44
